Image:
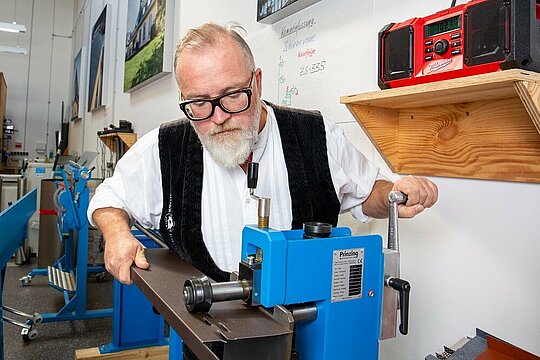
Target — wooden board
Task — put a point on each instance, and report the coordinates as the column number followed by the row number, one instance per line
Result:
column 491, row 86
column 127, row 138
column 480, row 127
column 147, row 353
column 381, row 126
column 475, row 140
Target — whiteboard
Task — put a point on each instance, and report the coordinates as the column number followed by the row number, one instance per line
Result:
column 313, row 57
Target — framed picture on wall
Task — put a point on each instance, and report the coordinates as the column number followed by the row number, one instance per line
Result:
column 271, row 11
column 75, row 91
column 148, row 54
column 97, row 63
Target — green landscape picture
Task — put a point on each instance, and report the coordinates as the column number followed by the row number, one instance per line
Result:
column 144, row 42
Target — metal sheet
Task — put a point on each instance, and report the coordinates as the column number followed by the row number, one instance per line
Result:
column 228, row 321
column 390, row 297
column 13, row 222
column 50, row 248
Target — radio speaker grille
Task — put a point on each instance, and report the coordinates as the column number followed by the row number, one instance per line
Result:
column 398, row 51
column 487, row 32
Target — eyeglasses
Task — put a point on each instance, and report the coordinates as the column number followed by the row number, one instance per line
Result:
column 232, row 103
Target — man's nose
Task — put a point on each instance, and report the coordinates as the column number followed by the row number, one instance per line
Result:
column 219, row 116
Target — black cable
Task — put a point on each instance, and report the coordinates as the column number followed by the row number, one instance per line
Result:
column 453, row 3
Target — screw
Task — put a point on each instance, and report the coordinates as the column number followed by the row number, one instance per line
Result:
column 371, row 293
column 250, row 259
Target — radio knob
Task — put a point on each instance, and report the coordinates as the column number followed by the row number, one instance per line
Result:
column 441, row 47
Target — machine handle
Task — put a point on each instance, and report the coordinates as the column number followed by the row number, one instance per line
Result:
column 403, row 287
column 395, row 198
column 252, row 175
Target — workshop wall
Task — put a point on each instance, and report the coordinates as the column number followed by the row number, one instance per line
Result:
column 39, row 81
column 471, row 260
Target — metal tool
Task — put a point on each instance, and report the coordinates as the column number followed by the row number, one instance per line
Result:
column 263, row 203
column 396, row 292
column 395, row 198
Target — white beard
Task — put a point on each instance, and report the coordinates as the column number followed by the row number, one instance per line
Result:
column 232, row 149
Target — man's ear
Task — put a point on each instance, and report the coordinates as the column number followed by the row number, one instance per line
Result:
column 258, row 79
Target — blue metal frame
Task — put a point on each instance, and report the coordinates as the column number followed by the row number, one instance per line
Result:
column 135, row 324
column 296, row 270
column 13, row 227
column 73, row 200
column 175, row 345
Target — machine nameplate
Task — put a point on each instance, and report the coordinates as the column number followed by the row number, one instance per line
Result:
column 347, row 274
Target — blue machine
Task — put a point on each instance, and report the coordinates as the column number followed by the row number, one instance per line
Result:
column 71, row 200
column 326, row 285
column 341, row 275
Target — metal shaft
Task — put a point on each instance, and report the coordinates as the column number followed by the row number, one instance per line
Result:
column 233, row 290
column 395, row 198
column 303, row 312
column 263, row 213
column 199, row 293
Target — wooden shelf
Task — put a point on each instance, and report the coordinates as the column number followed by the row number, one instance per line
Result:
column 127, row 138
column 482, row 127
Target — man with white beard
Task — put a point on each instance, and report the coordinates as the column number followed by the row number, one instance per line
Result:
column 197, row 195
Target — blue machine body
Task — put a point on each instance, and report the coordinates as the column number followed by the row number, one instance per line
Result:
column 341, row 274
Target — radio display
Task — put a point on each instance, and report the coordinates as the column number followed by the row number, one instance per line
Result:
column 440, row 27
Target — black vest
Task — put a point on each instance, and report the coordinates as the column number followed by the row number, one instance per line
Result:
column 312, row 192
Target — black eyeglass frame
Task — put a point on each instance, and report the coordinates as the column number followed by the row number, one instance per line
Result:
column 217, row 102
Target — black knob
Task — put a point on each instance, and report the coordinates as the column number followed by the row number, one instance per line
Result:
column 317, row 230
column 441, row 47
column 252, row 175
column 403, row 287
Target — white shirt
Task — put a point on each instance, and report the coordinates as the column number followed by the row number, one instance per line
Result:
column 226, row 204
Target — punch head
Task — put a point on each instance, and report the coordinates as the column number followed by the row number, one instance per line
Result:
column 252, row 175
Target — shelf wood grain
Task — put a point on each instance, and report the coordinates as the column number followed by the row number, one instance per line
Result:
column 479, row 127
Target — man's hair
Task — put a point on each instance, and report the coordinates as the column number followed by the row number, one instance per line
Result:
column 210, row 34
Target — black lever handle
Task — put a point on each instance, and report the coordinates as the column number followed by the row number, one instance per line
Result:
column 403, row 287
column 252, row 175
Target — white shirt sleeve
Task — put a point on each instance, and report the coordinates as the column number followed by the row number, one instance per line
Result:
column 352, row 174
column 135, row 185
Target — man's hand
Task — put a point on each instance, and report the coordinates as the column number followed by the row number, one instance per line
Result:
column 120, row 253
column 121, row 247
column 421, row 194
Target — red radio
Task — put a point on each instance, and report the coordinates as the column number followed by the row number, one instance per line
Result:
column 478, row 37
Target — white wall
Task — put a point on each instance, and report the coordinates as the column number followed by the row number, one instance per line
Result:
column 39, row 81
column 472, row 259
